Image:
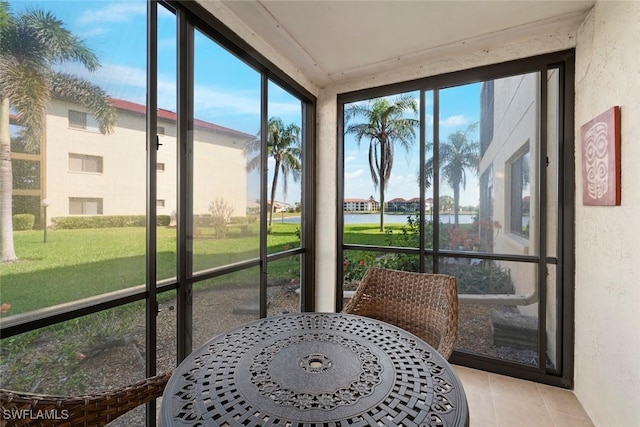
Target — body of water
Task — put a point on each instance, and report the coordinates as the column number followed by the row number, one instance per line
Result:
column 374, row 218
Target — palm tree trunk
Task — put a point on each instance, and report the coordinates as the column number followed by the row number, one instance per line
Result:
column 381, row 206
column 456, row 204
column 6, row 186
column 273, row 191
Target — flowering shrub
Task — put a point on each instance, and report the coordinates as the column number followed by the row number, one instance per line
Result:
column 355, row 265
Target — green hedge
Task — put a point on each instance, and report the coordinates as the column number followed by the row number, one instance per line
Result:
column 23, row 222
column 105, row 221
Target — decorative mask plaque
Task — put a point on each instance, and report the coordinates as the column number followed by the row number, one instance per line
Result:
column 601, row 159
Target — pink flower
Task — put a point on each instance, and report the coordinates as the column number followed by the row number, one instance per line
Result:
column 345, row 263
column 292, row 282
column 5, row 307
column 361, row 262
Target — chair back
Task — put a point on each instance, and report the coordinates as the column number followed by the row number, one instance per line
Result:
column 424, row 304
column 80, row 411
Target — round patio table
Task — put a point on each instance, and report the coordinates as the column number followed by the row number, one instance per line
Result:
column 315, row 370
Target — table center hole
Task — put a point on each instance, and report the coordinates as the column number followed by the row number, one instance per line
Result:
column 315, row 363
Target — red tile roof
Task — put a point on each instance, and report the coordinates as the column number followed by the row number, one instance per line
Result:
column 170, row 115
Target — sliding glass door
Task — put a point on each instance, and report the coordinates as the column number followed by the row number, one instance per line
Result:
column 467, row 175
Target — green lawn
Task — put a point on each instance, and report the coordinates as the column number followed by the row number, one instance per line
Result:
column 76, row 264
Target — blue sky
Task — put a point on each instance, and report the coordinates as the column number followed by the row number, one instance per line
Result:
column 227, row 91
column 116, row 32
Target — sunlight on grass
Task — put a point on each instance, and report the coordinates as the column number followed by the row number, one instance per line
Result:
column 76, row 264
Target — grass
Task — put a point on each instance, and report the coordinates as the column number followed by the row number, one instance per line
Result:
column 76, row 264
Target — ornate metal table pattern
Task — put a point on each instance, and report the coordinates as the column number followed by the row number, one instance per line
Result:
column 315, row 370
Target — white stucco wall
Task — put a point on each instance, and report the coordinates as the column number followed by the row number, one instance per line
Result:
column 607, row 344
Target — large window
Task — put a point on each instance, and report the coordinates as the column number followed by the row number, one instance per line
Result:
column 179, row 227
column 460, row 175
column 520, row 195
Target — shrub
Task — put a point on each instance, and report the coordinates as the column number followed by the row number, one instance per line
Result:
column 474, row 276
column 105, row 221
column 23, row 222
column 164, row 220
column 221, row 212
column 239, row 220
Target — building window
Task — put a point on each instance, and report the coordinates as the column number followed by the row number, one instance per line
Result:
column 520, row 195
column 486, row 115
column 160, row 167
column 85, row 163
column 85, row 206
column 161, row 130
column 80, row 120
column 160, row 203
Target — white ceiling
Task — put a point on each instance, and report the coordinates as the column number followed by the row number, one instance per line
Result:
column 334, row 41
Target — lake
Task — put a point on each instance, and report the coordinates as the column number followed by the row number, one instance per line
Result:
column 374, row 218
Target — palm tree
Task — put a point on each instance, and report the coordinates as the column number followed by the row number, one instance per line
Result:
column 31, row 45
column 384, row 125
column 459, row 154
column 283, row 144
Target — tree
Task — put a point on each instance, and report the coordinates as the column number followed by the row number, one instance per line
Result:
column 459, row 154
column 31, row 45
column 284, row 146
column 384, row 125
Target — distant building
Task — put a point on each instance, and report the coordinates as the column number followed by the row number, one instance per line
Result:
column 412, row 205
column 83, row 172
column 360, row 205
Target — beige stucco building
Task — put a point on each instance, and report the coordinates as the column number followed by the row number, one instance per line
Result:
column 85, row 172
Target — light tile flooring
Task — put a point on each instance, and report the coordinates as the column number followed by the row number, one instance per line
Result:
column 500, row 401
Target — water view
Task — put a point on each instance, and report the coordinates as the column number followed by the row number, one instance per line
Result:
column 374, row 218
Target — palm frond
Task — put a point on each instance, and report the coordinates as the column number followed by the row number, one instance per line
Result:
column 28, row 91
column 54, row 42
column 92, row 97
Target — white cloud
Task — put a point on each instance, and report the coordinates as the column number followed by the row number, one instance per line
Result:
column 454, row 121
column 350, row 158
column 355, row 174
column 113, row 12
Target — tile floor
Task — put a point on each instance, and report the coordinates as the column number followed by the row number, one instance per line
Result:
column 500, row 401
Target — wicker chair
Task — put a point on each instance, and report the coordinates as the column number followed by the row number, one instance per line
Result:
column 421, row 303
column 82, row 411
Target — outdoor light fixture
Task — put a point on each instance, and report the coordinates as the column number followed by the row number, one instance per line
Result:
column 45, row 204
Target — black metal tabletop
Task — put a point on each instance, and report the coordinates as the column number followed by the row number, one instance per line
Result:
column 315, row 370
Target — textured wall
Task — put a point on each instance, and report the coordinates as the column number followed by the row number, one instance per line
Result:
column 607, row 345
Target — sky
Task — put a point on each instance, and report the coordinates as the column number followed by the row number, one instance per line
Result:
column 227, row 91
column 459, row 108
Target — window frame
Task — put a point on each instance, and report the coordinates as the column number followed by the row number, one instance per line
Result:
column 188, row 15
column 563, row 259
column 82, row 158
column 84, row 201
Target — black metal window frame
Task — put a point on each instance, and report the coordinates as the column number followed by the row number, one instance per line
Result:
column 563, row 61
column 190, row 15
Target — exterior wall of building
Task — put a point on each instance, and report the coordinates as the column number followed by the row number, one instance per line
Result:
column 607, row 344
column 219, row 166
column 515, row 130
